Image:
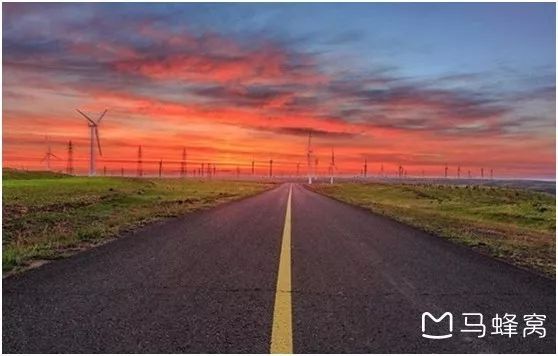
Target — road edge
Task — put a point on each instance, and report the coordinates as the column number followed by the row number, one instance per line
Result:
column 433, row 235
column 86, row 246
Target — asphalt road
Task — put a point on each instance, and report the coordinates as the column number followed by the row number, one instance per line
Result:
column 206, row 283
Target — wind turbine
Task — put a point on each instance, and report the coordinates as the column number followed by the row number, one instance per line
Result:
column 94, row 137
column 332, row 166
column 309, row 153
column 48, row 154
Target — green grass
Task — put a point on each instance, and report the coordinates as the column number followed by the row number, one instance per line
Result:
column 10, row 173
column 514, row 225
column 48, row 216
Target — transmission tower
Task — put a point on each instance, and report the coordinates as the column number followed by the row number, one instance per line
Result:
column 70, row 165
column 140, row 163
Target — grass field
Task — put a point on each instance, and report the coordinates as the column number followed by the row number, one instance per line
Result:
column 515, row 225
column 48, row 216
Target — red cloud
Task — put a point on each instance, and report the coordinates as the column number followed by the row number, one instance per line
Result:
column 213, row 58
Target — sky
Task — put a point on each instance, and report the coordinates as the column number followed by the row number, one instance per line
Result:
column 417, row 85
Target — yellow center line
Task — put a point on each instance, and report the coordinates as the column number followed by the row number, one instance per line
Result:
column 282, row 331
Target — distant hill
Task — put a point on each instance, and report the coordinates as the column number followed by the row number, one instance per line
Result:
column 11, row 173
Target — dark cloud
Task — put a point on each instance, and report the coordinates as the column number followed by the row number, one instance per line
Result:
column 304, row 131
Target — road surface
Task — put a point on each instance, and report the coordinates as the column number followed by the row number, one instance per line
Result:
column 286, row 270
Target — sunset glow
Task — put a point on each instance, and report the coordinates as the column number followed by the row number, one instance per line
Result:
column 463, row 85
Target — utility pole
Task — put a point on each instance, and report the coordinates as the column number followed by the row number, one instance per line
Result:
column 482, row 173
column 202, row 169
column 309, row 157
column 122, row 171
column 183, row 167
column 491, row 174
column 365, row 168
column 140, row 163
column 382, row 170
column 270, row 168
column 446, row 171
column 160, row 168
column 237, row 172
column 104, row 171
column 469, row 174
column 253, row 170
column 70, row 166
column 458, row 172
column 298, row 169
column 214, row 170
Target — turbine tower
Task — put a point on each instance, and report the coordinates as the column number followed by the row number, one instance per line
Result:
column 332, row 167
column 94, row 138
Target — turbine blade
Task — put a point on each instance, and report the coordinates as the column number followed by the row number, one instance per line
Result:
column 102, row 115
column 98, row 141
column 87, row 117
column 55, row 156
